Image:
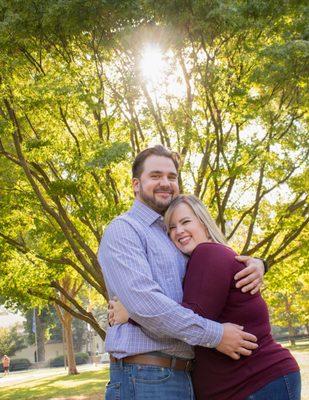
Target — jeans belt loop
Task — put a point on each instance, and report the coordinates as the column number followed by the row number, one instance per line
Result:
column 173, row 362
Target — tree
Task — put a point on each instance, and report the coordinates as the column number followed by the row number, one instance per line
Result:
column 71, row 286
column 76, row 106
column 37, row 326
column 287, row 292
column 11, row 341
column 53, row 330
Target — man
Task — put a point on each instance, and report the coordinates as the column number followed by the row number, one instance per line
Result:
column 6, row 364
column 144, row 270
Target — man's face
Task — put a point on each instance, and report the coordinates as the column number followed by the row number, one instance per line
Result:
column 158, row 184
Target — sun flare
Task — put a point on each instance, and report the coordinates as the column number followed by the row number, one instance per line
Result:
column 152, row 64
column 162, row 72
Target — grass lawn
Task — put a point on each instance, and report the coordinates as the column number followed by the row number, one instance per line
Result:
column 299, row 346
column 85, row 386
column 90, row 385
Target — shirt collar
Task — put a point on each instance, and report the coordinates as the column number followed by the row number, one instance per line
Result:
column 145, row 213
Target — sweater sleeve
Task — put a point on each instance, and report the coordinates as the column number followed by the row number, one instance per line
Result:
column 209, row 278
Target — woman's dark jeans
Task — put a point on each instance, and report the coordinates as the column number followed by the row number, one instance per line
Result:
column 287, row 387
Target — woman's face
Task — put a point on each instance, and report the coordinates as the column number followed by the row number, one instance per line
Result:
column 186, row 230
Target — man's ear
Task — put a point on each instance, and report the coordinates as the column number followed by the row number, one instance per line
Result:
column 135, row 185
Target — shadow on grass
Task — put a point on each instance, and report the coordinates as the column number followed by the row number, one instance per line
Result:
column 86, row 383
column 301, row 346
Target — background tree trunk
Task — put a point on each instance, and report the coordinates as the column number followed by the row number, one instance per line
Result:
column 40, row 337
column 291, row 328
column 67, row 325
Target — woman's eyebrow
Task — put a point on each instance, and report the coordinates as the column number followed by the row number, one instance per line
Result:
column 182, row 219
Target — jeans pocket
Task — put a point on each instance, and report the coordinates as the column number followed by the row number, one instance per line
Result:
column 293, row 385
column 112, row 391
column 151, row 374
column 161, row 383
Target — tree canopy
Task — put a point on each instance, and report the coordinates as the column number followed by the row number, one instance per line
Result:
column 11, row 341
column 85, row 85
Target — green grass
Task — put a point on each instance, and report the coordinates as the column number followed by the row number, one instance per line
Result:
column 92, row 384
column 300, row 346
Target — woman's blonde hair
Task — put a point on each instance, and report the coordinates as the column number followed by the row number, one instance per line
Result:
column 200, row 211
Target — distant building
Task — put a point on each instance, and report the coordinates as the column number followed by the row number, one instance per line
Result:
column 9, row 319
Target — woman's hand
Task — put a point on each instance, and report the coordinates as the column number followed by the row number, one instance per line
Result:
column 117, row 313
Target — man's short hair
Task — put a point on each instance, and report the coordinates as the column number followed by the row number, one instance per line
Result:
column 158, row 150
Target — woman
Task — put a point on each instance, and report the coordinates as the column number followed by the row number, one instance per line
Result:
column 270, row 373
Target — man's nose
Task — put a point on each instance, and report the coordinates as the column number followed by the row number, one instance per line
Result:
column 164, row 181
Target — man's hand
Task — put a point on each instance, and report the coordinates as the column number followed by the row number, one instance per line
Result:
column 117, row 313
column 251, row 277
column 235, row 342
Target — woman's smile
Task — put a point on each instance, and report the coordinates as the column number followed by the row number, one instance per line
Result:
column 186, row 230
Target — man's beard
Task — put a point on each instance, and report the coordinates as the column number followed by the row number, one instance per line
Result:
column 157, row 205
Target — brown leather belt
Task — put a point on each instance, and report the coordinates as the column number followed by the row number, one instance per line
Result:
column 151, row 359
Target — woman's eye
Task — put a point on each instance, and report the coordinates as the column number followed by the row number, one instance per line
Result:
column 171, row 227
column 186, row 221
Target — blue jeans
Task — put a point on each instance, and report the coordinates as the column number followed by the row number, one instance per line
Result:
column 287, row 387
column 147, row 382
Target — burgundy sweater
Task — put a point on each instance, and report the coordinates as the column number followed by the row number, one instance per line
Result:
column 209, row 290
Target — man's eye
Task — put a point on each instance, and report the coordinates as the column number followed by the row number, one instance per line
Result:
column 172, row 178
column 155, row 176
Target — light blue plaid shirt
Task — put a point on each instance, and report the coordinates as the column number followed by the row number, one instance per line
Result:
column 143, row 268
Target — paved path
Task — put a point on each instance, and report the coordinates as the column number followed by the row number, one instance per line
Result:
column 17, row 377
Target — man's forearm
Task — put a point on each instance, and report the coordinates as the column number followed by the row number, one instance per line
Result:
column 179, row 323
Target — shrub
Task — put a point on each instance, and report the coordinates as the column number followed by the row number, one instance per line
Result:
column 80, row 358
column 57, row 362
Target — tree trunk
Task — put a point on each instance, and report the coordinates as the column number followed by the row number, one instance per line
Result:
column 291, row 335
column 66, row 321
column 67, row 325
column 290, row 321
column 40, row 337
column 79, row 328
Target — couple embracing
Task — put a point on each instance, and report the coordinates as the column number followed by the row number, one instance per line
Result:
column 191, row 323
